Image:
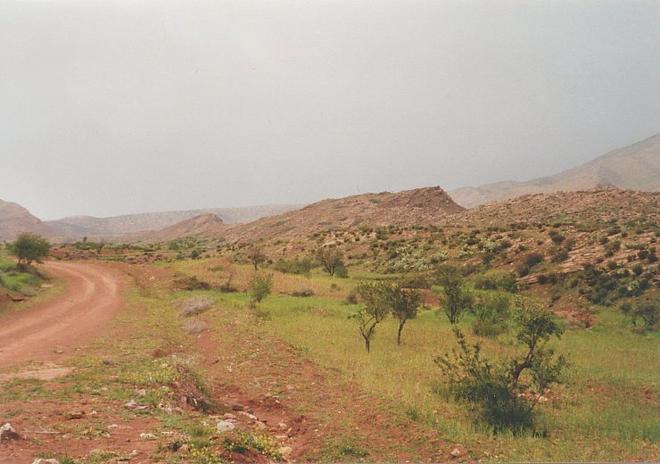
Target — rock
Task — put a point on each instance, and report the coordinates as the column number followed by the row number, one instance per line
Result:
column 260, row 425
column 228, row 415
column 7, row 433
column 282, row 426
column 248, row 415
column 74, row 415
column 45, row 461
column 285, row 451
column 108, row 362
column 147, row 436
column 225, row 426
column 134, row 405
column 457, row 451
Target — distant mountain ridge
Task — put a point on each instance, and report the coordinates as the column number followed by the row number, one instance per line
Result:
column 634, row 167
column 79, row 226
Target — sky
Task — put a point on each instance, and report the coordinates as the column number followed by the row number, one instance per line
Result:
column 122, row 106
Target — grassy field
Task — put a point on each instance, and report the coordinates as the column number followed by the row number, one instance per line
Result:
column 606, row 409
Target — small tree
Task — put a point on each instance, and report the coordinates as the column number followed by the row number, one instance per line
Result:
column 403, row 304
column 496, row 389
column 259, row 288
column 256, row 257
column 457, row 298
column 373, row 310
column 330, row 258
column 29, row 248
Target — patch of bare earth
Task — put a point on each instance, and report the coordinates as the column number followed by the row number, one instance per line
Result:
column 311, row 410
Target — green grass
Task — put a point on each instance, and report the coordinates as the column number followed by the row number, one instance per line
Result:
column 607, row 409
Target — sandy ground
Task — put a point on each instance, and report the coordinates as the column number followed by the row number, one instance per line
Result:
column 92, row 297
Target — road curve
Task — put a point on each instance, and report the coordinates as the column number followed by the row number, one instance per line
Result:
column 93, row 295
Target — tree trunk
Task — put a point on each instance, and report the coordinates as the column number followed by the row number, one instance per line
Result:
column 367, row 344
column 398, row 335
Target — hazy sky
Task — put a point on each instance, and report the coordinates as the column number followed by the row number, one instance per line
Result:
column 110, row 107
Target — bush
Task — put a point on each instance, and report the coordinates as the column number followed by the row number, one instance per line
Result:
column 496, row 280
column 191, row 283
column 491, row 316
column 644, row 314
column 303, row 292
column 294, row 266
column 259, row 287
column 494, row 388
column 532, row 259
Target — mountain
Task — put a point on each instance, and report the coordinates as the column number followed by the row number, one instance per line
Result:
column 635, row 167
column 408, row 208
column 80, row 226
column 15, row 219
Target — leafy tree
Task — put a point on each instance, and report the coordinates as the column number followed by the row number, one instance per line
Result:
column 496, row 389
column 330, row 258
column 457, row 298
column 372, row 311
column 403, row 303
column 256, row 256
column 259, row 288
column 29, row 248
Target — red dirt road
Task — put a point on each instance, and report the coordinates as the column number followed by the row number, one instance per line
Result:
column 93, row 295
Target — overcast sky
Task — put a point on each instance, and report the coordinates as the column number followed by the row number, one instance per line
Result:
column 110, row 107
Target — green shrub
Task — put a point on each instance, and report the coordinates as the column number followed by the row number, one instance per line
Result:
column 491, row 316
column 259, row 287
column 294, row 266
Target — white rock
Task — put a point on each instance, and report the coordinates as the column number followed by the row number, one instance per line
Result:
column 45, row 461
column 147, row 436
column 7, row 432
column 225, row 426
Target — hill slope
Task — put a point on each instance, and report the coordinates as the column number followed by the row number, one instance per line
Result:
column 15, row 219
column 202, row 225
column 634, row 167
column 412, row 207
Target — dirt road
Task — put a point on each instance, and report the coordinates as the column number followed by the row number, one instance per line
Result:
column 93, row 295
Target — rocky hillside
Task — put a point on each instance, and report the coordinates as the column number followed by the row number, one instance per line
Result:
column 15, row 219
column 409, row 208
column 634, row 167
column 202, row 225
column 79, row 226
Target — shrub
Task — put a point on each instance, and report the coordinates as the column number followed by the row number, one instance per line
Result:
column 496, row 280
column 491, row 316
column 494, row 388
column 259, row 288
column 303, row 292
column 294, row 266
column 191, row 283
column 532, row 259
column 256, row 256
column 644, row 314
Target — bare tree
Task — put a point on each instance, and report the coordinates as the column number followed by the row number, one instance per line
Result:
column 256, row 256
column 330, row 258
